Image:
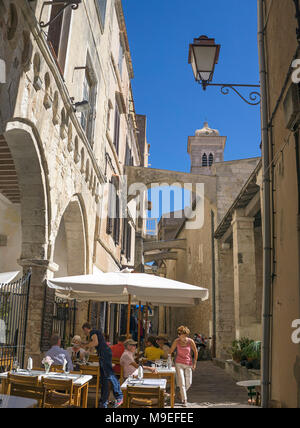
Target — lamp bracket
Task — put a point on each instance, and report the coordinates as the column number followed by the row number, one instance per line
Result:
column 74, row 4
column 253, row 98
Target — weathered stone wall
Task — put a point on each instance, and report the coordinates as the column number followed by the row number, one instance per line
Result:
column 280, row 49
column 60, row 171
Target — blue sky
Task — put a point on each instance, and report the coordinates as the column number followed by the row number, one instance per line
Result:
column 160, row 32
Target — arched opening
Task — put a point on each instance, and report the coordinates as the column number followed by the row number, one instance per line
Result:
column 204, row 160
column 211, row 159
column 24, row 179
column 70, row 254
column 24, row 220
column 70, row 244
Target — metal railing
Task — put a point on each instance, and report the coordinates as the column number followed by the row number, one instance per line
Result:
column 14, row 298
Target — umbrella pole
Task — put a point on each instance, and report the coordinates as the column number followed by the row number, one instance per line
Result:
column 128, row 316
column 146, row 322
column 139, row 327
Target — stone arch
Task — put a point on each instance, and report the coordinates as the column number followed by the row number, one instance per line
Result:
column 71, row 247
column 31, row 168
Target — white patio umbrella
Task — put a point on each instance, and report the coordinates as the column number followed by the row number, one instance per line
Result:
column 7, row 277
column 128, row 288
column 114, row 287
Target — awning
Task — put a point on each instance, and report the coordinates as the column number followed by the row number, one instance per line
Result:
column 6, row 278
column 115, row 287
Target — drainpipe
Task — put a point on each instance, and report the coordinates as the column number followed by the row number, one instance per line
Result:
column 267, row 282
column 214, row 336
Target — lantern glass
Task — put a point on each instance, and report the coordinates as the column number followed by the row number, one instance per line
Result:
column 204, row 54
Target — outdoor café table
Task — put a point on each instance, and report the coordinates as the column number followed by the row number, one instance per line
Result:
column 145, row 383
column 163, row 373
column 80, row 383
column 11, row 402
column 253, row 387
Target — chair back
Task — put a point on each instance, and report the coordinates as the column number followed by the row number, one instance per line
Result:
column 93, row 358
column 138, row 397
column 65, row 388
column 116, row 361
column 6, row 364
column 56, row 369
column 27, row 387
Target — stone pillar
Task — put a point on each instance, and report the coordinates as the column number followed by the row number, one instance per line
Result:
column 40, row 309
column 244, row 276
column 139, row 252
column 225, row 315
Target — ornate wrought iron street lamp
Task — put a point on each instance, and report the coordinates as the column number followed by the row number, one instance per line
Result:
column 74, row 4
column 203, row 56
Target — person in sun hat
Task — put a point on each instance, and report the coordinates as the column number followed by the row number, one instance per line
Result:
column 127, row 360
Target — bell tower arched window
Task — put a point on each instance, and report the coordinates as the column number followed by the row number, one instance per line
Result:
column 204, row 160
column 211, row 159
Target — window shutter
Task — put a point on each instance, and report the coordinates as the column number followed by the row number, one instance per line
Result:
column 110, row 213
column 117, row 222
column 124, row 237
column 117, row 128
column 128, row 246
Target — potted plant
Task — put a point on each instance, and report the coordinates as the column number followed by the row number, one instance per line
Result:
column 253, row 353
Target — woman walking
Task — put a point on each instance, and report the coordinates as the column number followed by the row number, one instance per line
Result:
column 184, row 347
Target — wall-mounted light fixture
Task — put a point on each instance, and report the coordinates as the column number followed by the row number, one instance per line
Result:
column 203, row 56
column 74, row 4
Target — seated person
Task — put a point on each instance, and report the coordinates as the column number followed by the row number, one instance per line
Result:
column 127, row 360
column 164, row 346
column 117, row 352
column 57, row 354
column 76, row 352
column 152, row 352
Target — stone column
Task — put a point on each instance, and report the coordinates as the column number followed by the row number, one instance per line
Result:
column 139, row 252
column 244, row 276
column 224, row 300
column 40, row 309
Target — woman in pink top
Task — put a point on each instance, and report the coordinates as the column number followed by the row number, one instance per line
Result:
column 184, row 361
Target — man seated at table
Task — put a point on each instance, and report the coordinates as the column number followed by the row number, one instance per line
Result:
column 57, row 354
column 117, row 352
column 127, row 360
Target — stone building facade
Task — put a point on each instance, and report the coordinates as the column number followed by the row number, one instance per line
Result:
column 281, row 49
column 223, row 181
column 57, row 156
column 239, row 269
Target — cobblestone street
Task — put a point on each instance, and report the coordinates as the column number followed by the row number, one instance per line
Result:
column 213, row 387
